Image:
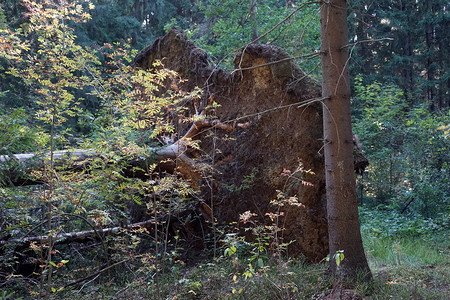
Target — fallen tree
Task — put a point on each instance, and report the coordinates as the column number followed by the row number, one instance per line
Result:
column 18, row 165
column 80, row 235
column 263, row 138
column 277, row 151
column 280, row 135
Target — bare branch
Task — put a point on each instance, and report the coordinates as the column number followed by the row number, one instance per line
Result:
column 309, row 56
column 81, row 235
column 282, row 21
column 367, row 41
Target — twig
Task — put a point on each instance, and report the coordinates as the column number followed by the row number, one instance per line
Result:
column 82, row 287
column 282, row 21
column 366, row 41
column 298, row 104
column 97, row 273
column 411, row 199
column 305, row 75
column 311, row 55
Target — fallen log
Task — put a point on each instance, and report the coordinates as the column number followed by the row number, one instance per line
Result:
column 81, row 235
column 76, row 158
column 71, row 157
column 58, row 156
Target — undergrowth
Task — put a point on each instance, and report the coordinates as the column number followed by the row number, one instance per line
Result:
column 413, row 266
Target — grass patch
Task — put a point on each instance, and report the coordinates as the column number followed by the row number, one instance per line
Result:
column 220, row 279
column 408, row 256
column 407, row 268
column 413, row 251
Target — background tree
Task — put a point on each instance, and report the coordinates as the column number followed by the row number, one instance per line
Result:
column 396, row 81
column 342, row 205
column 416, row 59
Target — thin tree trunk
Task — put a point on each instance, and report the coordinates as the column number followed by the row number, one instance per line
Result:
column 137, row 10
column 430, row 42
column 253, row 11
column 408, row 67
column 342, row 203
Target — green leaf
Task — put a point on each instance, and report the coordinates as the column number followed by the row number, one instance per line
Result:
column 260, row 263
column 247, row 274
column 230, row 251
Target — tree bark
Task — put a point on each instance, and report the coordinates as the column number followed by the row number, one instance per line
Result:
column 342, row 204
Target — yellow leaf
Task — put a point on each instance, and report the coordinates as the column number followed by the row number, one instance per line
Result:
column 141, row 123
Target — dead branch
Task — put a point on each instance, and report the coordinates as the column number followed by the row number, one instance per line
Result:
column 95, row 274
column 309, row 56
column 82, row 235
column 367, row 41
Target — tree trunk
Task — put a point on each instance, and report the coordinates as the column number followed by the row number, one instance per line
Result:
column 342, row 204
column 364, row 50
column 253, row 11
column 79, row 157
column 408, row 55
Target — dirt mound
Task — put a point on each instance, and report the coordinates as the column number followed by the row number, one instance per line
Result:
column 272, row 134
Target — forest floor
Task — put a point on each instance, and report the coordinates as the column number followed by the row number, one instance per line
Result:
column 408, row 260
column 402, row 268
